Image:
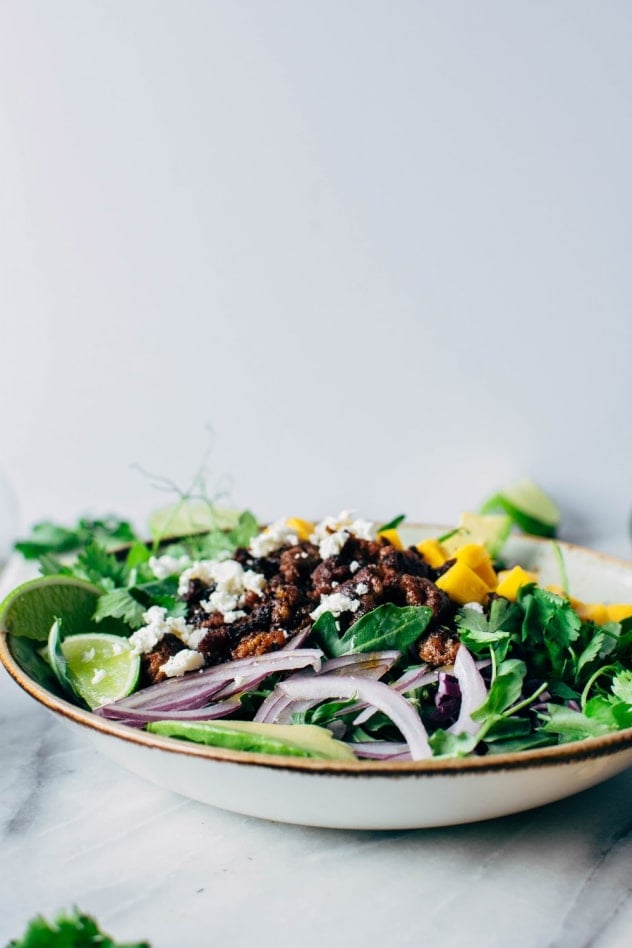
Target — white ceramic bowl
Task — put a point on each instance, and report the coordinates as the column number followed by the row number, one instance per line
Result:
column 367, row 794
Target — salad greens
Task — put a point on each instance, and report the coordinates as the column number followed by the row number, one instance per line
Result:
column 540, row 673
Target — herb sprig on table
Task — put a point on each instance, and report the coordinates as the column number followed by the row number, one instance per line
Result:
column 72, row 930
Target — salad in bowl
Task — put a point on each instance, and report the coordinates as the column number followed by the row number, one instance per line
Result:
column 336, row 646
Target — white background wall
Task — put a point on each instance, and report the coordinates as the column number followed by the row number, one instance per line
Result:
column 383, row 248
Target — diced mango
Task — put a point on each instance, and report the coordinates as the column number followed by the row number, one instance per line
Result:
column 477, row 558
column 392, row 536
column 432, row 552
column 463, row 585
column 303, row 528
column 595, row 612
column 510, row 581
column 618, row 612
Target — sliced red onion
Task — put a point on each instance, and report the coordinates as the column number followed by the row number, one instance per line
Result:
column 397, row 708
column 363, row 664
column 140, row 718
column 380, row 750
column 297, row 640
column 197, row 688
column 415, row 678
column 473, row 692
column 278, row 708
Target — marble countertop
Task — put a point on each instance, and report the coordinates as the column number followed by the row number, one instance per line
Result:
column 78, row 830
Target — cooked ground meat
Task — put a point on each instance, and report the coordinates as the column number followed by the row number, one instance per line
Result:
column 150, row 664
column 439, row 647
column 259, row 644
column 369, row 572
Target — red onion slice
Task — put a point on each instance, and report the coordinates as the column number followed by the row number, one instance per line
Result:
column 473, row 692
column 196, row 688
column 278, row 708
column 401, row 713
column 140, row 718
column 380, row 750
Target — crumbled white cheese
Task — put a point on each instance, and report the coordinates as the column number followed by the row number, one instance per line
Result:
column 336, row 603
column 354, row 566
column 254, row 582
column 182, row 662
column 99, row 675
column 474, row 606
column 331, row 534
column 204, row 570
column 278, row 534
column 159, row 624
column 362, row 589
column 88, row 656
column 332, row 544
column 164, row 566
column 233, row 615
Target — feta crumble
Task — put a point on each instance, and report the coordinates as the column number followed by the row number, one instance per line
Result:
column 336, row 603
column 181, row 663
column 362, row 589
column 159, row 624
column 332, row 533
column 278, row 534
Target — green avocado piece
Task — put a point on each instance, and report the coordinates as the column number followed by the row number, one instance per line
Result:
column 293, row 740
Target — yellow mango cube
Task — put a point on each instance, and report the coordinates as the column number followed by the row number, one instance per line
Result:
column 617, row 612
column 510, row 581
column 595, row 612
column 477, row 558
column 392, row 536
column 462, row 584
column 432, row 552
column 302, row 528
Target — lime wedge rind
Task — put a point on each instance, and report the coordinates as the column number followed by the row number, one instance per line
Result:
column 101, row 667
column 529, row 508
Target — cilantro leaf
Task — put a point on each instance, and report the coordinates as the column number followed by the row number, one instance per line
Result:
column 572, row 725
column 622, row 686
column 549, row 626
column 478, row 632
column 75, row 930
column 120, row 604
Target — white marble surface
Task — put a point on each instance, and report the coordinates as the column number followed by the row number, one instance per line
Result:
column 149, row 864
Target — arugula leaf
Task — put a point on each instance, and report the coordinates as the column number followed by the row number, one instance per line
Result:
column 75, row 930
column 387, row 627
column 326, row 630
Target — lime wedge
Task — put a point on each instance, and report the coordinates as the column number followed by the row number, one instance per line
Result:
column 101, row 667
column 191, row 516
column 489, row 530
column 29, row 611
column 529, row 508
